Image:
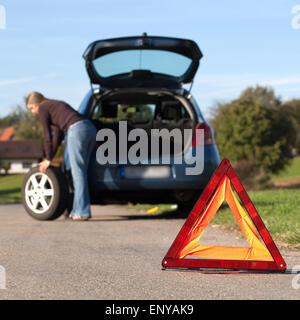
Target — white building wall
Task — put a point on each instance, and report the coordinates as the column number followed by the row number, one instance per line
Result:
column 17, row 166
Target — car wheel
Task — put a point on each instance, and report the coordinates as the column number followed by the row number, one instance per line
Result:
column 44, row 195
column 184, row 209
column 186, row 201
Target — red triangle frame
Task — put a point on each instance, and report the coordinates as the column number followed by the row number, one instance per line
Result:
column 172, row 261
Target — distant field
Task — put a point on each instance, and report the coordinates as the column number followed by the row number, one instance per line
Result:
column 292, row 171
column 10, row 188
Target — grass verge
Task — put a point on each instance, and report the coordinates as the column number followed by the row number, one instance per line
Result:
column 10, row 188
column 292, row 171
column 279, row 210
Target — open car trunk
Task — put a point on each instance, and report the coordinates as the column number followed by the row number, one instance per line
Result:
column 142, row 62
column 147, row 110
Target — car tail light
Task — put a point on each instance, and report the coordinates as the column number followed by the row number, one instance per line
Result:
column 208, row 134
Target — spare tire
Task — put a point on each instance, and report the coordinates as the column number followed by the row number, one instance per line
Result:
column 45, row 195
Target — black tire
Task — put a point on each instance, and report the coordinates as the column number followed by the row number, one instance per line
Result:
column 184, row 209
column 45, row 196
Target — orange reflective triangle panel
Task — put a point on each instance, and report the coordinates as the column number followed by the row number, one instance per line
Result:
column 186, row 250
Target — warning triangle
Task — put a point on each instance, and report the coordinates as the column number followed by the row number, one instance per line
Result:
column 186, row 252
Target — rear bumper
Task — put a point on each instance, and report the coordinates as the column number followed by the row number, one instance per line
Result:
column 110, row 177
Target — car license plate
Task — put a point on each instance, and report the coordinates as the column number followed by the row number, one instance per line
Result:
column 147, row 172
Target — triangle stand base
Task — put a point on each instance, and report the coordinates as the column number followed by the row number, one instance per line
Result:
column 221, row 264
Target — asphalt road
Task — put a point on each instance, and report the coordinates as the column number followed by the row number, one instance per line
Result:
column 117, row 255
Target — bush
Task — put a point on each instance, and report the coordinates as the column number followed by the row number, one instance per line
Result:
column 293, row 108
column 257, row 129
column 5, row 165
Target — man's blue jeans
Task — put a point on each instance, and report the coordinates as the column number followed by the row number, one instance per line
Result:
column 81, row 137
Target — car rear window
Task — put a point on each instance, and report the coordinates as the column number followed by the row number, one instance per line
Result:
column 157, row 61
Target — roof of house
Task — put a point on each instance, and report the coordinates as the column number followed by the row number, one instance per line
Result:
column 26, row 149
column 7, row 134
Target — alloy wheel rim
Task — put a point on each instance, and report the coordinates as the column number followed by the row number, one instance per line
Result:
column 39, row 193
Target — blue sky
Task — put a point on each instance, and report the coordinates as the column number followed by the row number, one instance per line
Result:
column 244, row 43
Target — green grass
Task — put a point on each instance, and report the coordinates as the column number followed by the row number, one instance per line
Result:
column 10, row 188
column 292, row 171
column 279, row 210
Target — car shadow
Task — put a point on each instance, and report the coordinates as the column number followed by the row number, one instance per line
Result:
column 163, row 216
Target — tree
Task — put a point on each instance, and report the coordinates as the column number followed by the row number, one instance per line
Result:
column 256, row 128
column 5, row 165
column 265, row 95
column 28, row 125
column 9, row 120
column 293, row 109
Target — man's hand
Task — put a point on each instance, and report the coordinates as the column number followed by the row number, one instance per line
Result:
column 44, row 165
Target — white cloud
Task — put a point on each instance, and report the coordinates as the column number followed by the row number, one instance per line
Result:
column 9, row 82
column 2, row 17
column 238, row 80
column 285, row 81
column 218, row 86
column 212, row 88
